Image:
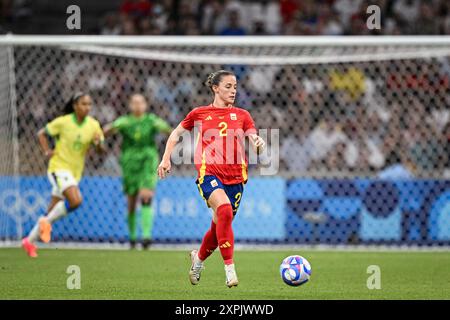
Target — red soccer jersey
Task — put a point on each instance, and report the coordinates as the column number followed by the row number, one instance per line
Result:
column 220, row 147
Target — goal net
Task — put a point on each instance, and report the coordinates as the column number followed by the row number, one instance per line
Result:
column 357, row 129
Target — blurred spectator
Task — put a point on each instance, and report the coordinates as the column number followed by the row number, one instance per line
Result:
column 446, row 149
column 308, row 18
column 346, row 9
column 296, row 146
column 444, row 17
column 6, row 10
column 426, row 22
column 22, row 8
column 365, row 144
column 259, row 28
column 159, row 17
column 288, row 8
column 296, row 151
column 263, row 17
column 406, row 11
column 147, row 27
column 98, row 76
column 189, row 26
column 128, row 27
column 16, row 15
column 358, row 22
column 212, row 19
column 324, row 138
column 330, row 25
column 421, row 140
column 136, row 8
column 110, row 25
column 233, row 27
column 348, row 79
column 336, row 159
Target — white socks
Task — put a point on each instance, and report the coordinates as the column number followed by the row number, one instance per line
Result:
column 58, row 211
column 33, row 236
column 197, row 262
column 229, row 267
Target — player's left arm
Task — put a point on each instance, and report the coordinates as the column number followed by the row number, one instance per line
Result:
column 257, row 142
column 109, row 129
column 162, row 126
column 115, row 126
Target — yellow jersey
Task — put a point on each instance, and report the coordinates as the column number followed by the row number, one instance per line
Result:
column 72, row 142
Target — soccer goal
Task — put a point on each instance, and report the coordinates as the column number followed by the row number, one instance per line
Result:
column 358, row 131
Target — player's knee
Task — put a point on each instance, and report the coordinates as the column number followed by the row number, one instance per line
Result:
column 146, row 201
column 225, row 212
column 75, row 203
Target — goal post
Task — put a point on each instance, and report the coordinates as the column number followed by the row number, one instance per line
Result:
column 357, row 129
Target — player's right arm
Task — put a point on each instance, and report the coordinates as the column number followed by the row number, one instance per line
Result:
column 165, row 165
column 53, row 128
column 186, row 125
column 43, row 141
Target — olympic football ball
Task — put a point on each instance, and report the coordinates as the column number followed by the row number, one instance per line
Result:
column 295, row 270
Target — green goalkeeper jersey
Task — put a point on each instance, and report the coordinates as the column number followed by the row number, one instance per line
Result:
column 138, row 136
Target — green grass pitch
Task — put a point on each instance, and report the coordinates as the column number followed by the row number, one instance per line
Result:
column 110, row 274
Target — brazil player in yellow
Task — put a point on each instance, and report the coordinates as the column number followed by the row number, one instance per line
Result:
column 139, row 161
column 74, row 133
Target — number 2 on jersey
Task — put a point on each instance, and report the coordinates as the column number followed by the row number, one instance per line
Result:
column 223, row 129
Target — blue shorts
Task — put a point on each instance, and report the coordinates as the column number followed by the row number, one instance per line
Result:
column 233, row 191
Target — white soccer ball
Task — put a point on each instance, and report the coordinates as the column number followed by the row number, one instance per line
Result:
column 295, row 270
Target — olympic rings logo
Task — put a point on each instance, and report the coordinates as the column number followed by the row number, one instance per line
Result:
column 22, row 203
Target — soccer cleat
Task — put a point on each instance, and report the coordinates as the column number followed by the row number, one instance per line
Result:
column 30, row 248
column 45, row 230
column 146, row 243
column 132, row 244
column 196, row 269
column 231, row 276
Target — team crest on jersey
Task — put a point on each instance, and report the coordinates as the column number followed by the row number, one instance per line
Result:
column 214, row 183
column 233, row 116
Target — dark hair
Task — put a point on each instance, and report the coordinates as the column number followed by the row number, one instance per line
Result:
column 214, row 78
column 68, row 108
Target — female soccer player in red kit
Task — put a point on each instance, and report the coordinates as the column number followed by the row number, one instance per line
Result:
column 221, row 164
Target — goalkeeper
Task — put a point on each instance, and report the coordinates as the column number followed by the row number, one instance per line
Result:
column 139, row 162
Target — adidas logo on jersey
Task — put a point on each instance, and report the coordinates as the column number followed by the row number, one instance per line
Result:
column 208, row 118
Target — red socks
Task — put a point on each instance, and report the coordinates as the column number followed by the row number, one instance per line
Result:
column 224, row 232
column 209, row 243
column 219, row 235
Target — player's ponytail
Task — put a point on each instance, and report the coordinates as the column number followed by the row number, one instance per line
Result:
column 68, row 107
column 214, row 78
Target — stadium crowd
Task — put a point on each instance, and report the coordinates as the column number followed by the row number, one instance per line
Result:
column 275, row 17
column 247, row 17
column 387, row 118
